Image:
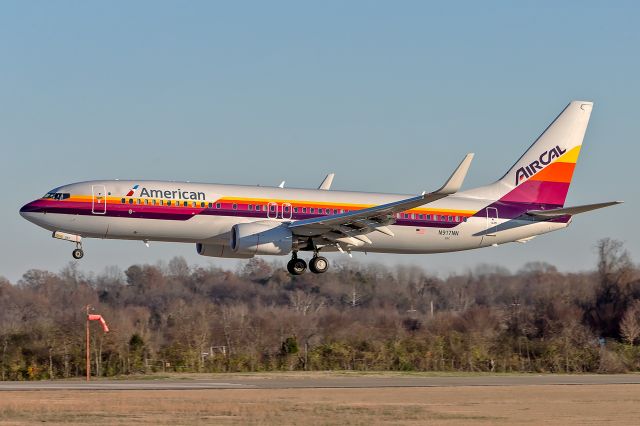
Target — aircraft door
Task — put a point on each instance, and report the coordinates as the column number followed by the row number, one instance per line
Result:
column 98, row 199
column 492, row 221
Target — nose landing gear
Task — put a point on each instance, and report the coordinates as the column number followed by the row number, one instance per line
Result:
column 77, row 253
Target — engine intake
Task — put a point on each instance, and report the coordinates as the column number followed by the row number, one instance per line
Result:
column 263, row 237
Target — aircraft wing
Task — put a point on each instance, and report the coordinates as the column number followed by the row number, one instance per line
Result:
column 568, row 211
column 356, row 223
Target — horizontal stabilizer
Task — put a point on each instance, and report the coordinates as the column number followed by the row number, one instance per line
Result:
column 568, row 211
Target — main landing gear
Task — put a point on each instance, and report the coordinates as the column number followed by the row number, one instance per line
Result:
column 317, row 265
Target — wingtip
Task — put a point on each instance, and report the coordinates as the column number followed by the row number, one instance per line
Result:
column 454, row 183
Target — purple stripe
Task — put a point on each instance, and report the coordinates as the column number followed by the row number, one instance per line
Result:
column 142, row 211
column 535, row 191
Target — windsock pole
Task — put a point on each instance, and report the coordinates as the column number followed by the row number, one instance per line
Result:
column 88, row 353
column 105, row 328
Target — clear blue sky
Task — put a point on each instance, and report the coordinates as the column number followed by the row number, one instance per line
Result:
column 389, row 95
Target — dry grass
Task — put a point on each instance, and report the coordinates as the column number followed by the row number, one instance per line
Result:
column 615, row 404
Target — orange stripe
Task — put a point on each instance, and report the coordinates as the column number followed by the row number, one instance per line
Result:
column 556, row 172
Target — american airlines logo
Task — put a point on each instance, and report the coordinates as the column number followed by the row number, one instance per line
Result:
column 545, row 158
column 131, row 191
column 166, row 193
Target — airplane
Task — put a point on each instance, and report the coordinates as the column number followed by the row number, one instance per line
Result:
column 237, row 221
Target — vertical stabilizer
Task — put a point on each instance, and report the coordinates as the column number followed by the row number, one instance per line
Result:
column 543, row 174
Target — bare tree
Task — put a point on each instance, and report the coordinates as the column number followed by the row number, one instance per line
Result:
column 630, row 324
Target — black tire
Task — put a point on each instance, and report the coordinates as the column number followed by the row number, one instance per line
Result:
column 77, row 254
column 296, row 266
column 319, row 265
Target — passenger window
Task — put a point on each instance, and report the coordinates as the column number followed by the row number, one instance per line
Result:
column 327, row 211
column 272, row 208
column 304, row 210
column 162, row 202
column 450, row 218
column 154, row 202
column 413, row 215
column 168, row 202
column 130, row 200
column 210, row 205
column 420, row 216
column 312, row 210
column 235, row 206
column 406, row 215
column 218, row 205
column 464, row 219
column 428, row 217
column 123, row 201
column 295, row 210
column 146, row 201
column 286, row 209
column 250, row 206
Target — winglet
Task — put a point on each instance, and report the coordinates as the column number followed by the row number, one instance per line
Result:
column 455, row 181
column 326, row 183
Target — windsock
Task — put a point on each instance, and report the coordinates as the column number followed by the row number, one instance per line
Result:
column 102, row 321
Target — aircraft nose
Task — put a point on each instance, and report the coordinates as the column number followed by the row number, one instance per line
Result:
column 26, row 209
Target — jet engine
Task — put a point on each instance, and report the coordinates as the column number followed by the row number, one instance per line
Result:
column 263, row 237
column 219, row 250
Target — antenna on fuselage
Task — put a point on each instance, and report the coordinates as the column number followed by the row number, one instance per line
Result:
column 281, row 184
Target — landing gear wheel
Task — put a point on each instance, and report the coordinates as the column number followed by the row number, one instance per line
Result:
column 77, row 253
column 318, row 265
column 296, row 266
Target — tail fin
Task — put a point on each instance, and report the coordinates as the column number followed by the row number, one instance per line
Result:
column 543, row 174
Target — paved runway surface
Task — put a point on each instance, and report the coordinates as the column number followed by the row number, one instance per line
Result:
column 309, row 382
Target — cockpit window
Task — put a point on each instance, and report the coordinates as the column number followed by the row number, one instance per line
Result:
column 56, row 196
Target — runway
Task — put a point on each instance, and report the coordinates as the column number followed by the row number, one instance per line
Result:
column 320, row 381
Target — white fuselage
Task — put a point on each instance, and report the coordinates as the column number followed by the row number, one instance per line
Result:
column 206, row 213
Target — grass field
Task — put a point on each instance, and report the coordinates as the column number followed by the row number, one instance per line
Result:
column 565, row 404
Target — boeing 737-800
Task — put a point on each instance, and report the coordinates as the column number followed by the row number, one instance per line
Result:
column 235, row 221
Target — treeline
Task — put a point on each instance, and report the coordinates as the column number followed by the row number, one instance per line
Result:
column 177, row 317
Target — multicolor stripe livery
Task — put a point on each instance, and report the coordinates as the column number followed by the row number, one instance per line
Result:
column 243, row 221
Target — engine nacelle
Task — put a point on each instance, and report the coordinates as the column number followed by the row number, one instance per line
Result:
column 219, row 250
column 263, row 237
